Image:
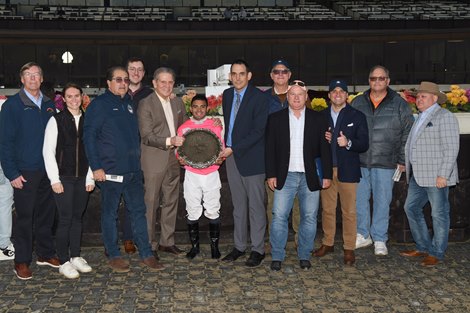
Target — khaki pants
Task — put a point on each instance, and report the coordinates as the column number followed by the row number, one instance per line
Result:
column 329, row 201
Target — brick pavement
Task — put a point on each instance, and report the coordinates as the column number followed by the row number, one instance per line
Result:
column 375, row 284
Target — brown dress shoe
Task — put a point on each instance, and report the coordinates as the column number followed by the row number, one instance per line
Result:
column 413, row 253
column 323, row 250
column 152, row 264
column 129, row 247
column 429, row 261
column 349, row 257
column 170, row 249
column 22, row 271
column 119, row 265
column 52, row 262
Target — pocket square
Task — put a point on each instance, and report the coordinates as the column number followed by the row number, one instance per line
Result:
column 350, row 125
column 429, row 125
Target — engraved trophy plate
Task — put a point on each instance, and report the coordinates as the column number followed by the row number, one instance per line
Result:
column 201, row 148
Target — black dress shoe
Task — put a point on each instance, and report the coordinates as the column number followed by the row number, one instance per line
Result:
column 255, row 259
column 276, row 265
column 232, row 256
column 170, row 249
column 305, row 264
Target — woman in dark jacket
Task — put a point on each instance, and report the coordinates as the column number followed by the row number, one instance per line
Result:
column 71, row 180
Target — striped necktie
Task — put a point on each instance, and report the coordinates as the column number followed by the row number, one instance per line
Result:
column 237, row 105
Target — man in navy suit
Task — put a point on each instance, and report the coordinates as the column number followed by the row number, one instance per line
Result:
column 348, row 136
column 294, row 140
column 245, row 114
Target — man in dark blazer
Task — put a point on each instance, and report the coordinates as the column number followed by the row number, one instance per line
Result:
column 295, row 143
column 348, row 136
column 159, row 117
column 245, row 114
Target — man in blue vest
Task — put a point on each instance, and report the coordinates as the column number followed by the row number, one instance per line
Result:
column 23, row 121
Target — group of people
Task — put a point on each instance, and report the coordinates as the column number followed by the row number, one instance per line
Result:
column 272, row 144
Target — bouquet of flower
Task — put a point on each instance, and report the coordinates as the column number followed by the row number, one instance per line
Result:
column 85, row 101
column 408, row 96
column 318, row 104
column 352, row 96
column 190, row 93
column 59, row 102
column 457, row 99
column 214, row 105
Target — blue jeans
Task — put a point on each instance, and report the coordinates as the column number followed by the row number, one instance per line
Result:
column 132, row 190
column 440, row 207
column 296, row 184
column 379, row 182
column 6, row 202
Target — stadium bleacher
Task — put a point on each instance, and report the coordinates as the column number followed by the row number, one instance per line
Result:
column 212, row 10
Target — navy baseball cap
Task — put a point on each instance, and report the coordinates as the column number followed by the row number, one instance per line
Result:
column 338, row 83
column 280, row 62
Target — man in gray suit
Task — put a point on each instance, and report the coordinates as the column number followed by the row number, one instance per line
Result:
column 245, row 114
column 159, row 118
column 431, row 167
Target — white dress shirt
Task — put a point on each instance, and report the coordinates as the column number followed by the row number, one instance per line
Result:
column 166, row 104
column 296, row 129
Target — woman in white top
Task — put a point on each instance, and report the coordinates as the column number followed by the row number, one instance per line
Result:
column 71, row 179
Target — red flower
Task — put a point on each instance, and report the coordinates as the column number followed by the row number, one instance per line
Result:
column 409, row 97
column 213, row 104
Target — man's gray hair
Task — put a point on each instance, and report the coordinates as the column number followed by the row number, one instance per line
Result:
column 381, row 67
column 29, row 65
column 160, row 70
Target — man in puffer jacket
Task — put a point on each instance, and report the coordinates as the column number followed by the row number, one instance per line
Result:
column 389, row 119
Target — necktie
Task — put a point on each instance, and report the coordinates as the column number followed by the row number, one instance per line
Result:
column 237, row 105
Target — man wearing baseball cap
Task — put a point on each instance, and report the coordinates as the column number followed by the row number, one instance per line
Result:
column 277, row 95
column 348, row 136
column 431, row 167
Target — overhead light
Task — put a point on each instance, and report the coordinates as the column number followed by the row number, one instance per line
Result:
column 455, row 40
column 67, row 57
column 392, row 41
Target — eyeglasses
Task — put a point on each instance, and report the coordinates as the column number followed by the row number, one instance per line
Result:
column 375, row 79
column 31, row 75
column 135, row 69
column 120, row 80
column 279, row 72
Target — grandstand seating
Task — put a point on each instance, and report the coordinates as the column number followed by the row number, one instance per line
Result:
column 256, row 10
column 396, row 10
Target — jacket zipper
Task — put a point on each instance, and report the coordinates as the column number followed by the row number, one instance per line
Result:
column 77, row 142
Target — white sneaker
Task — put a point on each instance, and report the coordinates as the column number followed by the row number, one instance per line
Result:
column 80, row 264
column 362, row 242
column 380, row 248
column 68, row 270
column 7, row 253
